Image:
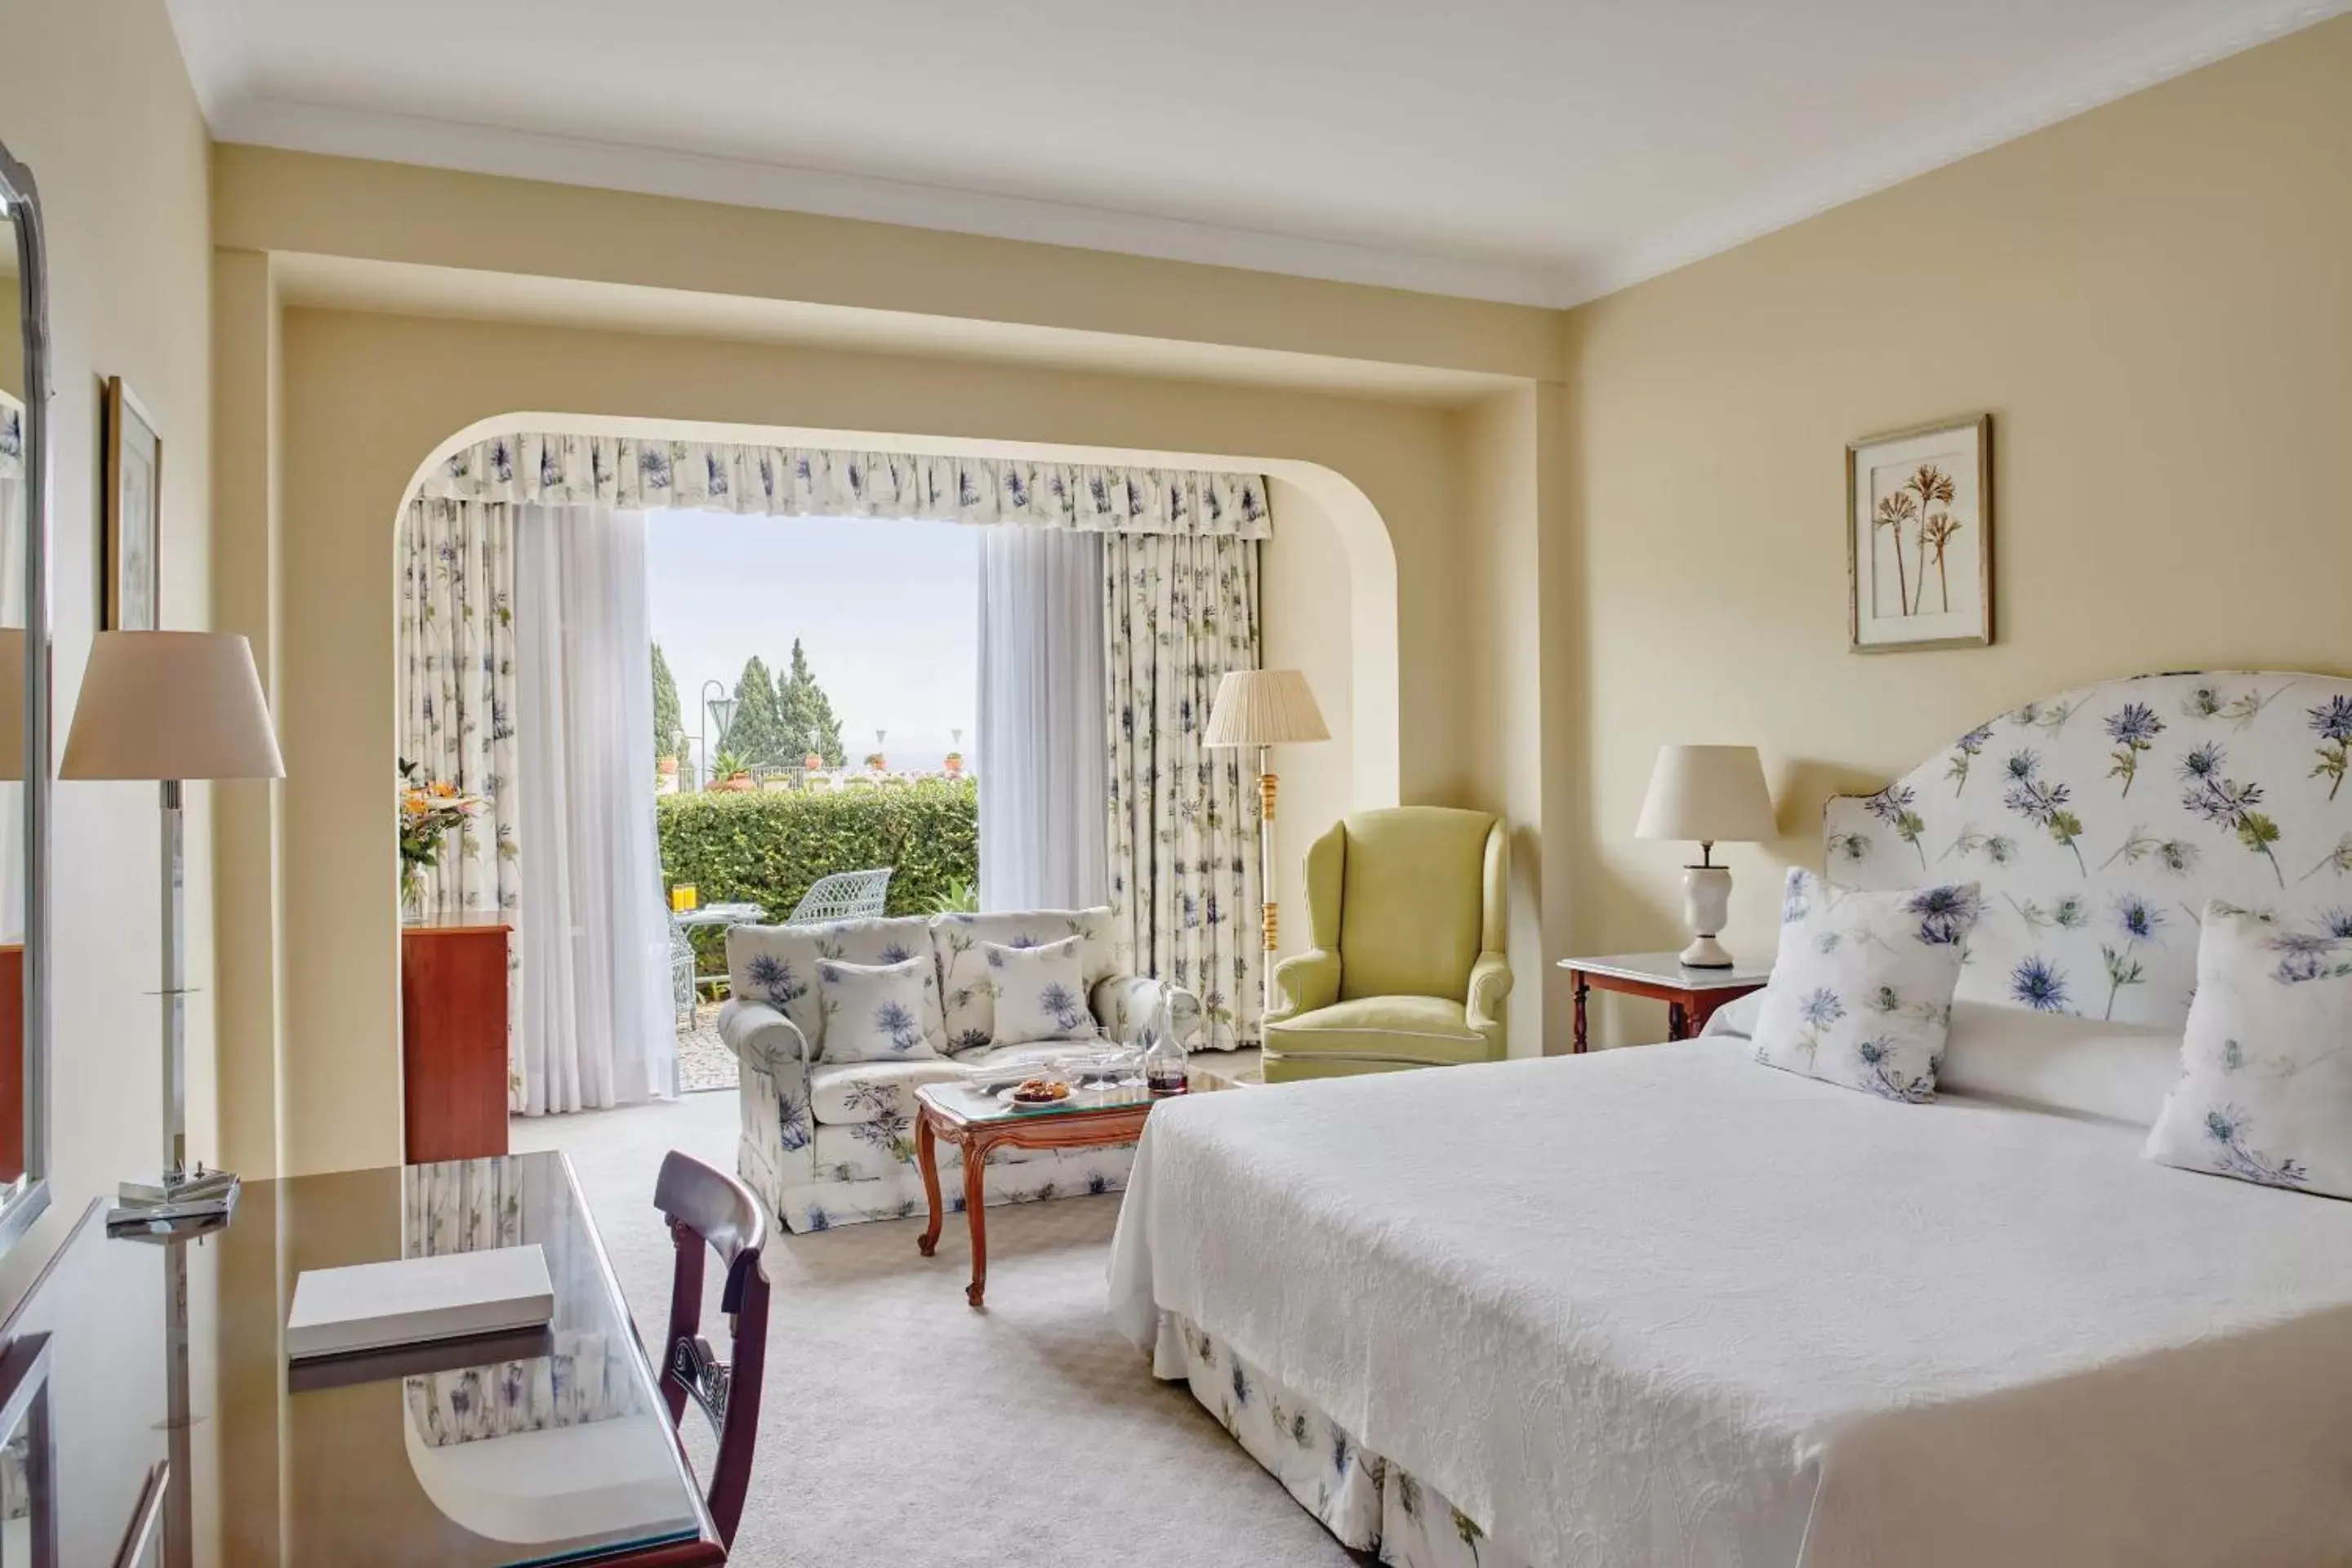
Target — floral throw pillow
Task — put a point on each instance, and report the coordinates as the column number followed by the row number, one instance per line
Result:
column 1041, row 992
column 1861, row 993
column 877, row 1012
column 2265, row 1086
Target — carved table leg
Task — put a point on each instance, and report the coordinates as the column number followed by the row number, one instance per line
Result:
column 1677, row 1022
column 975, row 1210
column 1580, row 989
column 926, row 1160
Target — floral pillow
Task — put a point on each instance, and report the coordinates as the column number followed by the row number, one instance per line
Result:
column 875, row 1012
column 2265, row 1086
column 1861, row 993
column 1041, row 992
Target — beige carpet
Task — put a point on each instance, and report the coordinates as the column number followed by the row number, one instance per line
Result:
column 899, row 1426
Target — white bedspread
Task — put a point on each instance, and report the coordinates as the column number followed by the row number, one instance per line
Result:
column 1663, row 1306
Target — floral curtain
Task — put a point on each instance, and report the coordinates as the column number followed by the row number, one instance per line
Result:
column 455, row 642
column 1178, row 612
column 648, row 474
column 472, row 1206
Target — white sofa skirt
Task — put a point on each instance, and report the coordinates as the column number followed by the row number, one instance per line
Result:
column 1369, row 1503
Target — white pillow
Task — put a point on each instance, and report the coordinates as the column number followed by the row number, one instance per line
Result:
column 1041, row 992
column 2055, row 1061
column 1862, row 990
column 2265, row 1086
column 877, row 1012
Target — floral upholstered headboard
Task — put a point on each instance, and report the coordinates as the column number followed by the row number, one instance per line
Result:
column 2101, row 821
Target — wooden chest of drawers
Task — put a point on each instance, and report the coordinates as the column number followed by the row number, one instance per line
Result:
column 453, row 1032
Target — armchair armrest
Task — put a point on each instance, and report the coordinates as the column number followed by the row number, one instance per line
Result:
column 777, row 1148
column 1126, row 1003
column 1490, row 984
column 1308, row 981
column 762, row 1038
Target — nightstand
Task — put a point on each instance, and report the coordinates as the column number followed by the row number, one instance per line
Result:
column 1691, row 996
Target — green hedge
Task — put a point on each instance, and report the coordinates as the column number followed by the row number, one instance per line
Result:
column 765, row 846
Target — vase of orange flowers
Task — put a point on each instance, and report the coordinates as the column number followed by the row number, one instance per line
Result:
column 429, row 808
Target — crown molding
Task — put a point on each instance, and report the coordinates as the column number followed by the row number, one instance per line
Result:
column 2173, row 45
column 660, row 171
column 2178, row 41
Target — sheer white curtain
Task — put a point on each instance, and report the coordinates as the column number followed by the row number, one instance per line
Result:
column 1042, row 754
column 593, row 1022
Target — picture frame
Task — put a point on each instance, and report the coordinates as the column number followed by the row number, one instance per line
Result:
column 1918, row 537
column 131, row 558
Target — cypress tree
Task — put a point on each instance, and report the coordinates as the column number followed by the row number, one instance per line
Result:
column 805, row 714
column 754, row 733
column 669, row 727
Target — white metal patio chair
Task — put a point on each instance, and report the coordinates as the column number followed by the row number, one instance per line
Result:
column 843, row 896
column 681, row 971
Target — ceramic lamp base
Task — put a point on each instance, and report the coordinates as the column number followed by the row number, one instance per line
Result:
column 1707, row 908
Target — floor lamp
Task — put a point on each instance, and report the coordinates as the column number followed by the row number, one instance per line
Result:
column 171, row 706
column 1264, row 708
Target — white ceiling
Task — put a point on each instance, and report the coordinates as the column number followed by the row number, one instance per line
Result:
column 1538, row 151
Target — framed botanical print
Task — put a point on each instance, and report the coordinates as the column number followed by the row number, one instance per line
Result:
column 134, row 514
column 1918, row 520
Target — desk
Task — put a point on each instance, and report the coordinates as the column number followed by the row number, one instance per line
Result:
column 560, row 1457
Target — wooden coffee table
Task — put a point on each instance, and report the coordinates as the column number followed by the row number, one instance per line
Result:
column 977, row 1122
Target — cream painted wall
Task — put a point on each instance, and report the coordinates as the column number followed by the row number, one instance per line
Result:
column 94, row 100
column 367, row 397
column 1305, row 628
column 2155, row 301
column 300, row 202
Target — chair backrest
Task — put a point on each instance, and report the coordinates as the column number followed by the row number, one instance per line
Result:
column 709, row 1212
column 1412, row 901
column 843, row 896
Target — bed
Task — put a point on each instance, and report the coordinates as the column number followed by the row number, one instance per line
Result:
column 1664, row 1305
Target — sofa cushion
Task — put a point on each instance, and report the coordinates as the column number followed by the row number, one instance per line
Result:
column 1412, row 901
column 970, row 992
column 1041, row 993
column 878, row 1012
column 844, row 1093
column 1427, row 1030
column 777, row 964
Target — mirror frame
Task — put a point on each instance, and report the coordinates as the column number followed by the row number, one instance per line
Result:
column 21, row 201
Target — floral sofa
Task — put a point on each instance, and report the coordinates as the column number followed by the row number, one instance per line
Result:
column 834, row 1144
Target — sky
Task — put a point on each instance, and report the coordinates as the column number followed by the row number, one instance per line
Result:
column 888, row 612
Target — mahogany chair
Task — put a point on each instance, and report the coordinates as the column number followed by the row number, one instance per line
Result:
column 711, row 1212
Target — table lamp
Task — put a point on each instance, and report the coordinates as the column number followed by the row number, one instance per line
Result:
column 170, row 706
column 1715, row 794
column 1264, row 708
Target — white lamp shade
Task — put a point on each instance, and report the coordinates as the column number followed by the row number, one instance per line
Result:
column 1264, row 707
column 172, row 705
column 1711, row 794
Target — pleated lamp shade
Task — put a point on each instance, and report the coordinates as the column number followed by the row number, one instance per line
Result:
column 12, row 703
column 172, row 705
column 1264, row 707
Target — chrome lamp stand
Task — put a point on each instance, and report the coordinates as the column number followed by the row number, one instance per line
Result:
column 180, row 1199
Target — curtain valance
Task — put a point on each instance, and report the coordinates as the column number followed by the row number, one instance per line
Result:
column 808, row 481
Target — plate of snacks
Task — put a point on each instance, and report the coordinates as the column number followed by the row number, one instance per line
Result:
column 1036, row 1094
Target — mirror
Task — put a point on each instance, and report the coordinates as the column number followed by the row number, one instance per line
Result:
column 24, row 704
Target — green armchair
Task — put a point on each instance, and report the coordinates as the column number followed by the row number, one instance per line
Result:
column 1407, row 911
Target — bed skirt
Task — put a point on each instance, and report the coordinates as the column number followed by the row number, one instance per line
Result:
column 1370, row 1504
